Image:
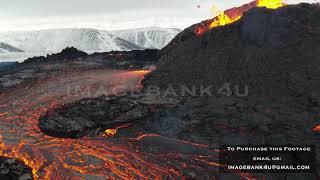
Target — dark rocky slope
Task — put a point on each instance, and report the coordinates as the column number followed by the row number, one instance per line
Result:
column 275, row 52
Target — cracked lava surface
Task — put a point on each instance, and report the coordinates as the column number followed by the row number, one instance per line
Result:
column 88, row 157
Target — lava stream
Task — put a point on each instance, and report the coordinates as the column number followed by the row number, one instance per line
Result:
column 88, row 157
column 234, row 14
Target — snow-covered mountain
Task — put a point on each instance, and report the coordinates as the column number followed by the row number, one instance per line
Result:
column 154, row 37
column 89, row 40
column 5, row 48
column 55, row 40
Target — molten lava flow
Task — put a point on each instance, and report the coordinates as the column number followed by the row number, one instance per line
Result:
column 222, row 20
column 234, row 14
column 271, row 4
column 87, row 157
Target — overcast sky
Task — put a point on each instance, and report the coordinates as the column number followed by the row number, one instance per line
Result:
column 107, row 14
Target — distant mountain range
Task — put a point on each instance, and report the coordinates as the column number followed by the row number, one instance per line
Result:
column 88, row 40
column 153, row 38
column 58, row 39
column 8, row 48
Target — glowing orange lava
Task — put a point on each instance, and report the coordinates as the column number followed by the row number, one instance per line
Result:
column 234, row 14
column 87, row 157
column 222, row 20
column 270, row 4
column 316, row 128
column 110, row 132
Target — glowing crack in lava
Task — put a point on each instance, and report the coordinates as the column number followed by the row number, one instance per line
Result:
column 110, row 132
column 87, row 157
column 316, row 128
column 234, row 14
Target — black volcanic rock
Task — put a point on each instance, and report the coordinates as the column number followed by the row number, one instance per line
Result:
column 11, row 169
column 274, row 52
column 135, row 59
column 69, row 53
column 91, row 116
column 147, row 55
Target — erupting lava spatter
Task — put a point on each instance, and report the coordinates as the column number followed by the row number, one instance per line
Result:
column 234, row 14
column 271, row 4
column 87, row 157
